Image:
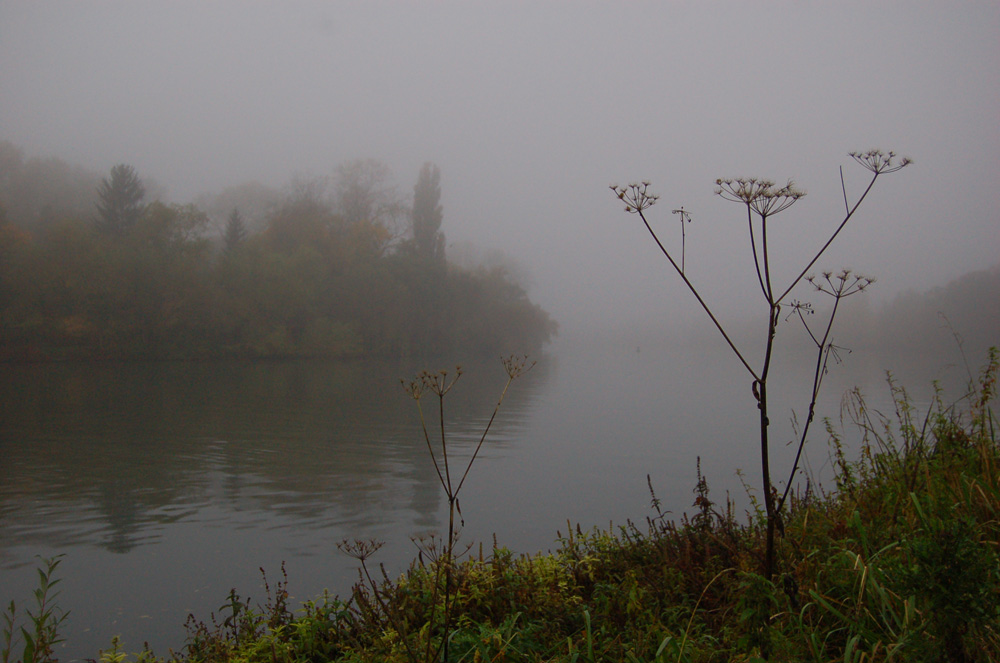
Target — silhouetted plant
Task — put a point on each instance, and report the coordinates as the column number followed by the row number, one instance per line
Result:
column 844, row 284
column 439, row 384
column 373, row 603
column 685, row 217
column 763, row 199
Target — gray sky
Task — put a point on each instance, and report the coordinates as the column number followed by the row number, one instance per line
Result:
column 532, row 109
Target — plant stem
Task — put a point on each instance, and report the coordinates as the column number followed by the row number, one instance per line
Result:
column 694, row 292
column 836, row 232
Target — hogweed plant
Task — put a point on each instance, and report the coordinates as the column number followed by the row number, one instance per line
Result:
column 764, row 199
column 439, row 384
column 440, row 552
column 844, row 284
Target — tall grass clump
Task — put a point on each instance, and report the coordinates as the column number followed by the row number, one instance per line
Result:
column 919, row 578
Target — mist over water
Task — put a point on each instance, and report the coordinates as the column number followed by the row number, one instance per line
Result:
column 532, row 111
column 168, row 484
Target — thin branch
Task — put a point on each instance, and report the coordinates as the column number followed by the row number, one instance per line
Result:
column 821, row 361
column 694, row 292
column 836, row 232
column 844, row 284
column 753, row 247
column 430, row 447
column 482, row 439
column 444, row 445
column 767, row 262
column 843, row 188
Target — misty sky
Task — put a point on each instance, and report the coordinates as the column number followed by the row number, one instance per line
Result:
column 532, row 109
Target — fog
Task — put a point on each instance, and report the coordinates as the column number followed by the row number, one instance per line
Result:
column 532, row 109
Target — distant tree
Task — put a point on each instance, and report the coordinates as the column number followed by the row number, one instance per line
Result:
column 170, row 226
column 305, row 218
column 236, row 231
column 428, row 240
column 39, row 192
column 11, row 163
column 365, row 192
column 120, row 199
column 255, row 201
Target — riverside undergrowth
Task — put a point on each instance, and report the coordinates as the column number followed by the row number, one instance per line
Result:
column 897, row 561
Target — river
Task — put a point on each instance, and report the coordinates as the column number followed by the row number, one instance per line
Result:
column 165, row 485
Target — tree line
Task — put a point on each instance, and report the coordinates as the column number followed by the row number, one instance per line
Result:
column 92, row 268
column 965, row 310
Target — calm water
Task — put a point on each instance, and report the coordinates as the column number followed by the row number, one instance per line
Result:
column 167, row 484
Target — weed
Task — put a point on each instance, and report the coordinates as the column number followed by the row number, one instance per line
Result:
column 41, row 634
column 374, row 598
column 953, row 577
column 763, row 199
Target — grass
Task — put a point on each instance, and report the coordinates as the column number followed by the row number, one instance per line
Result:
column 898, row 562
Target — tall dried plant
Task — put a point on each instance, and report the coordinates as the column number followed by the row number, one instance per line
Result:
column 763, row 199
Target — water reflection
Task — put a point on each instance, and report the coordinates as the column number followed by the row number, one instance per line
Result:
column 110, row 455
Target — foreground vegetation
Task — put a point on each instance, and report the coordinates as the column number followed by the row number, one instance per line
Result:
column 899, row 562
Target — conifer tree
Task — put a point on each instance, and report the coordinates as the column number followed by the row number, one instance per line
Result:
column 428, row 239
column 236, row 231
column 120, row 205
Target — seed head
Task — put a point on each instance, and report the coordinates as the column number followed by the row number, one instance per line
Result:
column 436, row 383
column 635, row 196
column 516, row 366
column 801, row 308
column 762, row 196
column 360, row 549
column 879, row 162
column 842, row 284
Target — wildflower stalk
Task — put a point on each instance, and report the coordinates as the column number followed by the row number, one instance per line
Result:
column 840, row 286
column 764, row 199
column 878, row 163
column 439, row 384
column 637, row 200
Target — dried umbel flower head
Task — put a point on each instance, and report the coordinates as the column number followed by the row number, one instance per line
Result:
column 801, row 308
column 880, row 162
column 843, row 283
column 762, row 196
column 635, row 196
column 415, row 388
column 436, row 383
column 516, row 366
column 360, row 549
